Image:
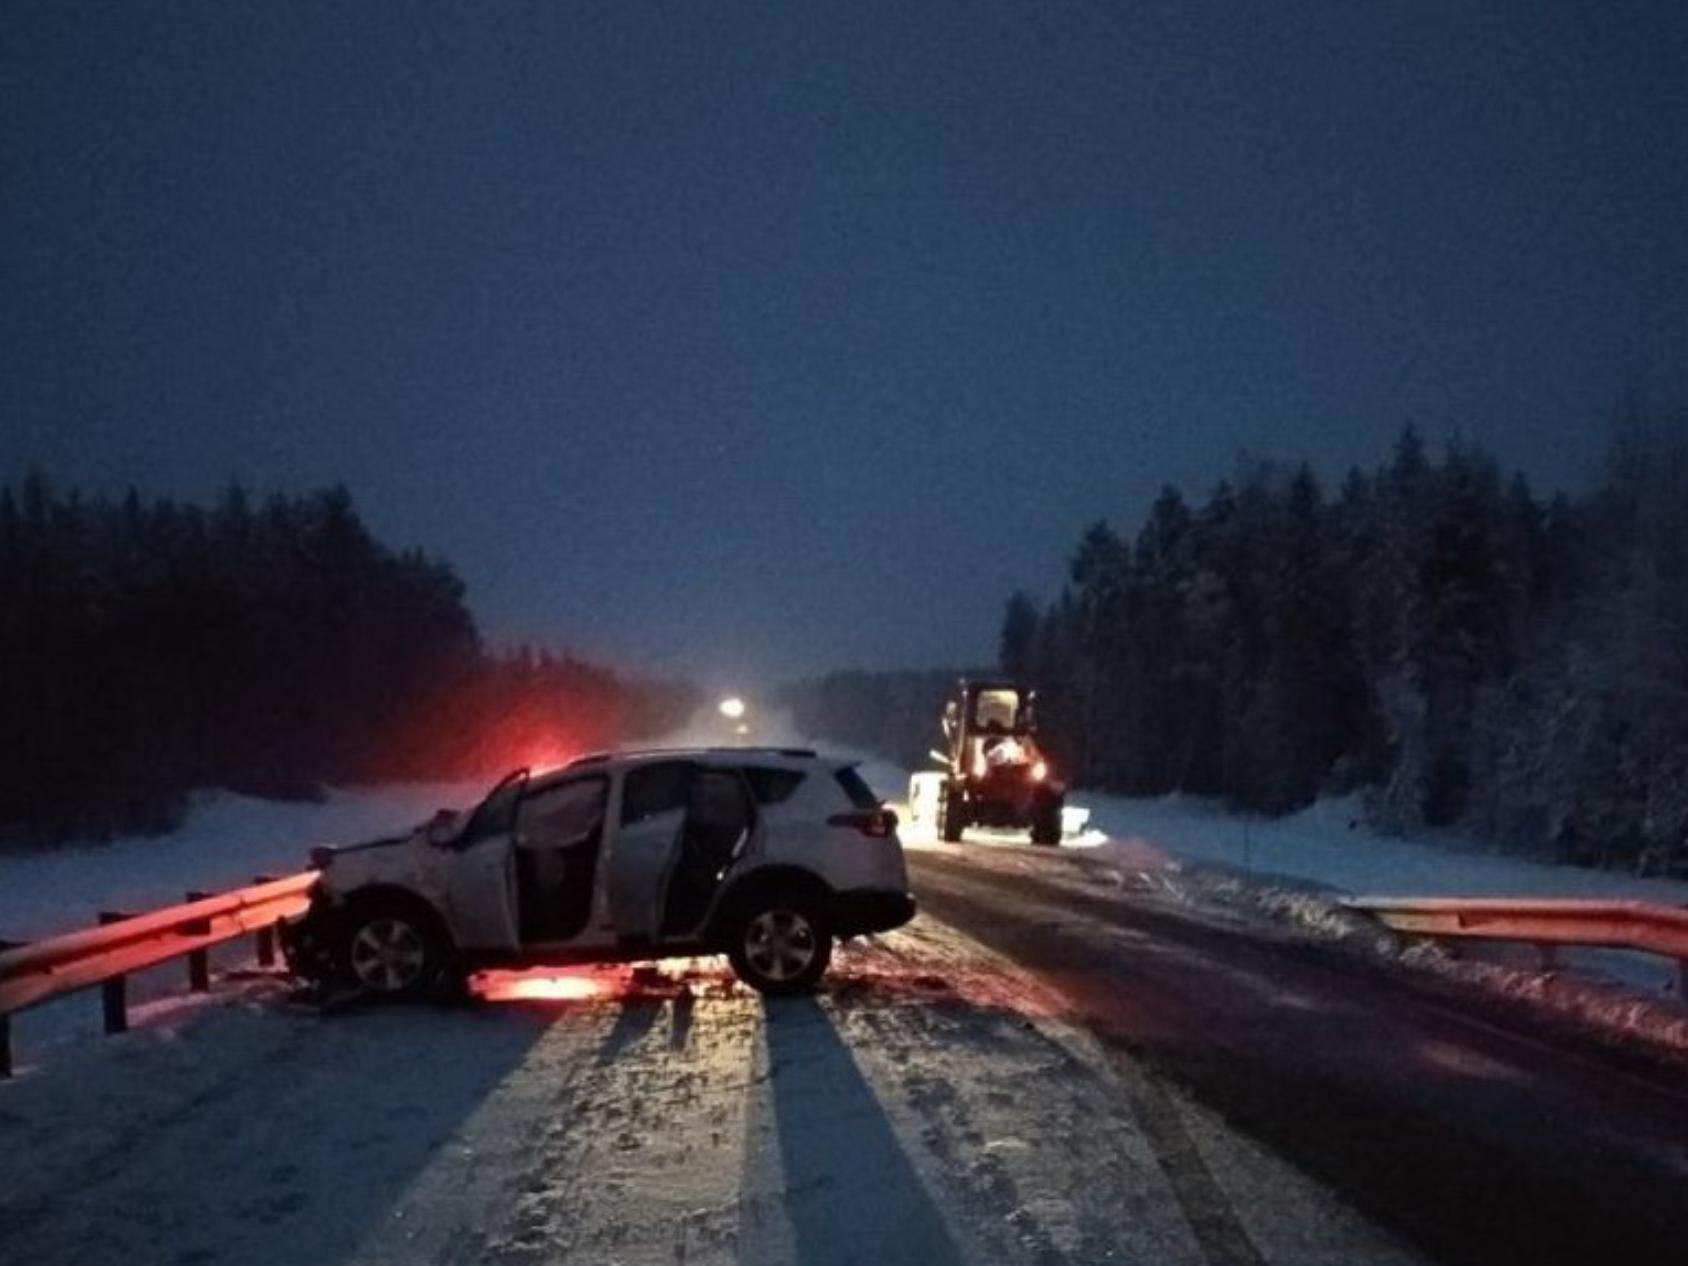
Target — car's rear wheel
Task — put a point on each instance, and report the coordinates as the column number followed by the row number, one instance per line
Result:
column 781, row 946
column 393, row 951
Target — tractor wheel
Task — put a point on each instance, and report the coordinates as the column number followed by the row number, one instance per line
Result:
column 1046, row 821
column 952, row 814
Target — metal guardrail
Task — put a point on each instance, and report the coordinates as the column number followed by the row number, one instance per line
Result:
column 41, row 970
column 1545, row 922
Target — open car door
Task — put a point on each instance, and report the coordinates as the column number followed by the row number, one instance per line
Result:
column 647, row 837
column 559, row 834
column 720, row 817
column 480, row 881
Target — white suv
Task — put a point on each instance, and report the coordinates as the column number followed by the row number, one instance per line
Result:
column 762, row 854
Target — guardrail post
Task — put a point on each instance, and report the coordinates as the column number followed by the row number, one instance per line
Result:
column 114, row 999
column 199, row 960
column 6, row 1021
column 265, row 935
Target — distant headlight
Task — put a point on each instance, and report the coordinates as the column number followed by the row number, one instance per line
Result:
column 1040, row 771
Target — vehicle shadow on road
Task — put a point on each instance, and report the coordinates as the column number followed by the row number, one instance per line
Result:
column 847, row 1188
column 266, row 1139
column 377, row 1124
column 635, row 1018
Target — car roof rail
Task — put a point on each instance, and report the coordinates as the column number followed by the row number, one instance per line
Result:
column 599, row 758
column 778, row 751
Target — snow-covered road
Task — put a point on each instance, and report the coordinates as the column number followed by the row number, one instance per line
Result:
column 930, row 1107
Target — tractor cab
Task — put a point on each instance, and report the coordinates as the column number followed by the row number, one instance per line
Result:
column 990, row 726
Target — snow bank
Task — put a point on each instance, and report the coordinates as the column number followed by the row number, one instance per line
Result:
column 1609, row 994
column 1328, row 849
column 225, row 841
column 1329, row 844
column 1294, row 871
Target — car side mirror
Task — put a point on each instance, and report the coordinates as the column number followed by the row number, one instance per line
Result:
column 441, row 828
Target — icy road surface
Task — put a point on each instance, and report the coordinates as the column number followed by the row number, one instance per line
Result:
column 929, row 1107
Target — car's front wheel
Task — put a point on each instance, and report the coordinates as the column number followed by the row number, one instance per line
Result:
column 392, row 951
column 781, row 946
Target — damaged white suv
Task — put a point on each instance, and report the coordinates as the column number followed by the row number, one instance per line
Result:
column 763, row 854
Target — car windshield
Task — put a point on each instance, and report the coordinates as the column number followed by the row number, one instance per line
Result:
column 497, row 813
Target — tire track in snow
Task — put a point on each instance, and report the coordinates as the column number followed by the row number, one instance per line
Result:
column 1037, row 1139
column 1212, row 1216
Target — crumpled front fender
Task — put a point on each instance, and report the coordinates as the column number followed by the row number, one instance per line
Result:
column 307, row 942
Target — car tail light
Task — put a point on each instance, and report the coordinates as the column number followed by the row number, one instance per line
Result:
column 1040, row 771
column 878, row 824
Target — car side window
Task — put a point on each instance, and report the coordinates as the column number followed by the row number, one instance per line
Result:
column 770, row 786
column 562, row 816
column 855, row 786
column 652, row 790
column 716, row 804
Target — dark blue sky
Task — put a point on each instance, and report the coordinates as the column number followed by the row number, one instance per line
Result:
column 753, row 339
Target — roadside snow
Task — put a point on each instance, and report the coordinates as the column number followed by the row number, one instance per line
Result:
column 1329, row 844
column 226, row 840
column 1328, row 847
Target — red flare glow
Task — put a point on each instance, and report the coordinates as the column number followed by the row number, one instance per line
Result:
column 553, row 988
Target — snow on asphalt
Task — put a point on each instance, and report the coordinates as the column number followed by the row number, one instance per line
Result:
column 930, row 1106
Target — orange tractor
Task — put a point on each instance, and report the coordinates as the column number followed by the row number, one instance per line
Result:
column 995, row 775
